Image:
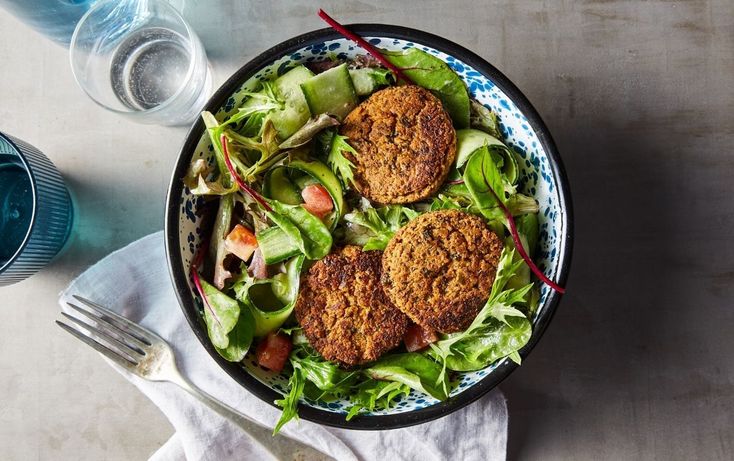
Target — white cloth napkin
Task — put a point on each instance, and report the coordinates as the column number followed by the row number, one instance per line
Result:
column 134, row 281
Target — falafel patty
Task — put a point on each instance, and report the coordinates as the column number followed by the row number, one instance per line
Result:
column 440, row 267
column 406, row 144
column 344, row 311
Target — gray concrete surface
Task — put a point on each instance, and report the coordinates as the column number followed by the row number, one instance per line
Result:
column 637, row 363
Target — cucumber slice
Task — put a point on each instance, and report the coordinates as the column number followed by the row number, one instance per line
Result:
column 323, row 174
column 278, row 294
column 275, row 245
column 331, row 92
column 368, row 79
column 468, row 140
column 278, row 186
column 296, row 113
column 304, row 181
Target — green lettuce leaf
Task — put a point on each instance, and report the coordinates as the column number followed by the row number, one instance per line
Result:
column 414, row 370
column 480, row 171
column 229, row 327
column 499, row 330
column 484, row 119
column 432, row 73
column 373, row 394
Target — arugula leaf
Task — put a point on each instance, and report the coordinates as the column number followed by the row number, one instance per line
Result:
column 326, row 376
column 414, row 370
column 484, row 119
column 432, row 73
column 336, row 160
column 377, row 225
column 289, row 403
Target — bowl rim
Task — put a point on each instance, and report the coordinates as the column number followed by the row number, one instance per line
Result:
column 179, row 276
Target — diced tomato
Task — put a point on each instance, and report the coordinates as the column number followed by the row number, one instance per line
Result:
column 241, row 242
column 273, row 351
column 318, row 201
column 416, row 337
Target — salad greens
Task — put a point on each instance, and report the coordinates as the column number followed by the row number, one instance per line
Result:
column 374, row 227
column 284, row 184
column 340, row 164
column 433, row 74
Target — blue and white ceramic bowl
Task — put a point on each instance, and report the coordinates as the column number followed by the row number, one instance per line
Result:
column 543, row 177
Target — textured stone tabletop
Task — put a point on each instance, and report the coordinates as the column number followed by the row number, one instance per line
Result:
column 638, row 362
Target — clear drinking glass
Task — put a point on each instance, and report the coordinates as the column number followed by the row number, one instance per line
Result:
column 35, row 210
column 140, row 58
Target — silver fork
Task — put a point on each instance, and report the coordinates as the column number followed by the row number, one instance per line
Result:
column 145, row 354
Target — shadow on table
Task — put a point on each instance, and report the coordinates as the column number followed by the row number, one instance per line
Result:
column 620, row 329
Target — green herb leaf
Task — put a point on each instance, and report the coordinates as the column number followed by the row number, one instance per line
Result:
column 289, row 404
column 326, row 376
column 336, row 160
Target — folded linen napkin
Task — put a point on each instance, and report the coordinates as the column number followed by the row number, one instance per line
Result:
column 134, row 281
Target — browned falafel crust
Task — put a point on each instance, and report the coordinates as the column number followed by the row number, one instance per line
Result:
column 344, row 311
column 440, row 267
column 406, row 144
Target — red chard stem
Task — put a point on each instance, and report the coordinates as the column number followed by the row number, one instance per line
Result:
column 365, row 45
column 249, row 190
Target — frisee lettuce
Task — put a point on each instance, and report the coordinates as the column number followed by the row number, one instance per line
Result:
column 376, row 226
column 499, row 330
column 338, row 162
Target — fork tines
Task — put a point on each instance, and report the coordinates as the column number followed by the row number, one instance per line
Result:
column 111, row 334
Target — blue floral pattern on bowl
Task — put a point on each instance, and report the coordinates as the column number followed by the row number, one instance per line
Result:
column 536, row 180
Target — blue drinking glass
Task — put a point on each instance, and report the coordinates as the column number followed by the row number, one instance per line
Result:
column 54, row 18
column 36, row 213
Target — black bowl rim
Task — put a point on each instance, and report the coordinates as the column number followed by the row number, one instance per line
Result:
column 179, row 277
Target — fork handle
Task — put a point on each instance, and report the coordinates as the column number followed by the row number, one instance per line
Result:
column 286, row 447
